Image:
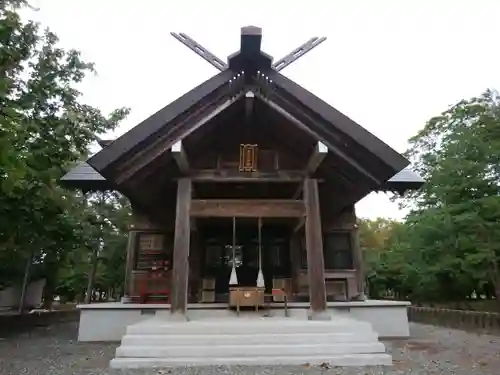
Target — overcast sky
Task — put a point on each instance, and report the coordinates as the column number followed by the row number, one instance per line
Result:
column 389, row 65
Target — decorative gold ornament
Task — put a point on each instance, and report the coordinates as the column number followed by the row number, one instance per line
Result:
column 248, row 157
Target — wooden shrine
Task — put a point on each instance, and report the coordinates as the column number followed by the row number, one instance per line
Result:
column 246, row 181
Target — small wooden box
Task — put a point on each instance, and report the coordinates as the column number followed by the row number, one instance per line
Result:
column 246, row 297
column 337, row 288
column 208, row 290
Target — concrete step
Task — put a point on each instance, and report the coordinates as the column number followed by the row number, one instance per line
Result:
column 242, row 351
column 333, row 360
column 241, row 327
column 250, row 339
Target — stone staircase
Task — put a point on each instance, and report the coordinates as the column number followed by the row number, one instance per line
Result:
column 260, row 341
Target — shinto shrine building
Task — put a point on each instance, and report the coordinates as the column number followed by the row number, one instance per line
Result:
column 243, row 193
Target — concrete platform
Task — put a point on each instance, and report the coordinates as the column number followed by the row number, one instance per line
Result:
column 223, row 341
column 109, row 321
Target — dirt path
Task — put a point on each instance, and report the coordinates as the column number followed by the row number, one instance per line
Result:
column 430, row 351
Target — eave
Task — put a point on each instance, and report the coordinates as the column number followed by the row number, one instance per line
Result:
column 86, row 178
column 403, row 181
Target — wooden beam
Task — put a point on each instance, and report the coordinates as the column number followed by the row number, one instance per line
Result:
column 180, row 157
column 233, row 175
column 314, row 245
column 246, row 208
column 180, row 268
column 317, row 157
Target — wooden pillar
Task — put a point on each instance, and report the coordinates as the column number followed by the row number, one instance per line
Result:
column 295, row 262
column 180, row 267
column 357, row 256
column 195, row 265
column 129, row 265
column 314, row 246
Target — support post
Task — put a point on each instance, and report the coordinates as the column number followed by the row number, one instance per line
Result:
column 295, row 262
column 314, row 245
column 179, row 154
column 358, row 260
column 318, row 155
column 194, row 262
column 180, row 268
column 129, row 265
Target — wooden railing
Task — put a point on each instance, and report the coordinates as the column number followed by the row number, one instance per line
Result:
column 460, row 319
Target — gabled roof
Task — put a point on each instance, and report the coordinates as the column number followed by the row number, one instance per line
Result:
column 330, row 123
column 213, row 87
column 251, row 69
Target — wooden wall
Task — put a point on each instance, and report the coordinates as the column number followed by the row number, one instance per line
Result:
column 143, row 225
column 146, row 230
column 344, row 222
column 336, row 280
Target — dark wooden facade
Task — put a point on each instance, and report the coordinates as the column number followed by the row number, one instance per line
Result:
column 247, row 144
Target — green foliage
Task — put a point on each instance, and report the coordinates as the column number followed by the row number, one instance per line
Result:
column 44, row 129
column 449, row 246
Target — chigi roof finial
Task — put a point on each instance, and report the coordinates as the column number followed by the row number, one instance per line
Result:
column 250, row 52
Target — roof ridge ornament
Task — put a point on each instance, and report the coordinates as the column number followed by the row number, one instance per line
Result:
column 250, row 53
column 298, row 52
column 200, row 50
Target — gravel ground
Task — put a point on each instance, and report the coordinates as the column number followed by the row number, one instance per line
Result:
column 430, row 351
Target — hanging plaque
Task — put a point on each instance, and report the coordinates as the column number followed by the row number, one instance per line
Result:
column 248, row 158
column 152, row 242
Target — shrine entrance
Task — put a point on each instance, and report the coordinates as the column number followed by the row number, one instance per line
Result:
column 228, row 241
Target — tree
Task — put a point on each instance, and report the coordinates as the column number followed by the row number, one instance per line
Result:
column 458, row 153
column 45, row 128
column 385, row 261
column 448, row 248
column 102, row 263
